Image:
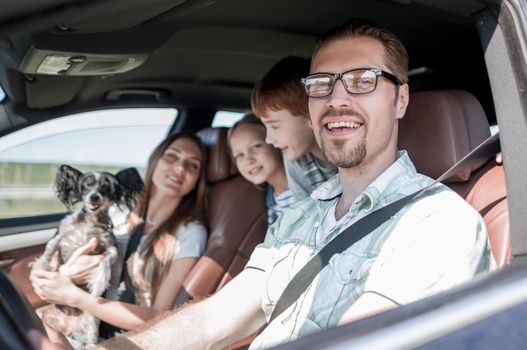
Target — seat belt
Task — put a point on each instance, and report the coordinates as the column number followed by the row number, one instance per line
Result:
column 107, row 330
column 361, row 228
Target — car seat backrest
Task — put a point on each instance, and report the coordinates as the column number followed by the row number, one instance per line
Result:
column 439, row 128
column 236, row 219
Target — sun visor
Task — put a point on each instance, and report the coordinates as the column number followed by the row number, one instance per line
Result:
column 50, row 62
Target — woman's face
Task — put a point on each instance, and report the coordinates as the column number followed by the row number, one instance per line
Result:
column 256, row 160
column 178, row 170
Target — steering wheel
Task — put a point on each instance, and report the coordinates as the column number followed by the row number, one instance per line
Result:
column 17, row 317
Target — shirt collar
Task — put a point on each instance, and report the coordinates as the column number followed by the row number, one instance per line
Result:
column 385, row 184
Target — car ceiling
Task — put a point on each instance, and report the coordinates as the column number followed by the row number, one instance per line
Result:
column 210, row 53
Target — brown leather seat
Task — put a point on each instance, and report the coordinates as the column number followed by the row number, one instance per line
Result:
column 439, row 128
column 236, row 219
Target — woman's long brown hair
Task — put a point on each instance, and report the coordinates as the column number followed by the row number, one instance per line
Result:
column 160, row 243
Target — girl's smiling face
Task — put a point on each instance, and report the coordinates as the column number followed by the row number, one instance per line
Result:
column 256, row 160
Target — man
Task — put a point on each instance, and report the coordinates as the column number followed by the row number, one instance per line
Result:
column 358, row 92
column 280, row 102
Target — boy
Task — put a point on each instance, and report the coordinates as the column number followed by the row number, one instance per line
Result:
column 280, row 101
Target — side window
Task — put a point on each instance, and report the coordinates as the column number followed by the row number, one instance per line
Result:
column 226, row 118
column 2, row 94
column 107, row 140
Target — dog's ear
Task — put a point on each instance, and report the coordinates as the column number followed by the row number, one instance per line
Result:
column 132, row 185
column 66, row 185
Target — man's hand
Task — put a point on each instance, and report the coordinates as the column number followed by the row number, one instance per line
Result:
column 499, row 158
column 119, row 342
column 80, row 265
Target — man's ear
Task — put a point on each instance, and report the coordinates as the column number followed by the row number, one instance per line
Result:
column 402, row 101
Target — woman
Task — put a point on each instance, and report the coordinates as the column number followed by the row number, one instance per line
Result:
column 168, row 220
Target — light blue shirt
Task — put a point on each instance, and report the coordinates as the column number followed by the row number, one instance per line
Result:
column 276, row 204
column 429, row 246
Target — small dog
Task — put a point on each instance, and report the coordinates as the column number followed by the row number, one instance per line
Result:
column 97, row 191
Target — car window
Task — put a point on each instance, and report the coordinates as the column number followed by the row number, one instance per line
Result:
column 2, row 94
column 107, row 140
column 226, row 118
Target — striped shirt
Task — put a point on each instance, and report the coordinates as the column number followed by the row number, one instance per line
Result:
column 429, row 246
column 307, row 173
column 276, row 204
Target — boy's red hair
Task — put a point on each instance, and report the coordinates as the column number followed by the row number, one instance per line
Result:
column 281, row 88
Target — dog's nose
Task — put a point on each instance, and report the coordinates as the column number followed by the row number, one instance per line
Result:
column 94, row 197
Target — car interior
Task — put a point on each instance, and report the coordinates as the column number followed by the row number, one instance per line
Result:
column 237, row 219
column 455, row 124
column 467, row 67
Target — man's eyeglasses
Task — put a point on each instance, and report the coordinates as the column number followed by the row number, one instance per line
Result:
column 355, row 81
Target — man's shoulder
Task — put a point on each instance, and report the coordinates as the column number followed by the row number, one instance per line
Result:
column 437, row 198
column 297, row 213
column 302, row 205
column 441, row 200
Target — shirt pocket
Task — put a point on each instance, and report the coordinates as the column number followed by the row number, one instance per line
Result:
column 350, row 267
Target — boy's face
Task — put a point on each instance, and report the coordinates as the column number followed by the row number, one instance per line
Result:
column 289, row 133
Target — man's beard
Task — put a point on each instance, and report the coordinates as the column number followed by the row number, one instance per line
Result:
column 336, row 153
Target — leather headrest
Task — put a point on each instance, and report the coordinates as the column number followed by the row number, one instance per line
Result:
column 440, row 128
column 220, row 166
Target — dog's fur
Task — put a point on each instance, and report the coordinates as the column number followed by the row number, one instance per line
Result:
column 97, row 191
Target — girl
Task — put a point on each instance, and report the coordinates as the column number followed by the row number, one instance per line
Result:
column 260, row 163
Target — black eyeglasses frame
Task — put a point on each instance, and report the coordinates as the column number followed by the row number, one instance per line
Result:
column 338, row 76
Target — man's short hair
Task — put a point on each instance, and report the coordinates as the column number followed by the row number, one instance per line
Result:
column 395, row 52
column 281, row 88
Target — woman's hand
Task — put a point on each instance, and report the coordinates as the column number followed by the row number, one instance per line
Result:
column 55, row 287
column 80, row 265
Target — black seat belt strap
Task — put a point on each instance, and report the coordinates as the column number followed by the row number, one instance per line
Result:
column 107, row 330
column 128, row 294
column 361, row 228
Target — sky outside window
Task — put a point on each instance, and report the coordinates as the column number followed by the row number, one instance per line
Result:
column 123, row 137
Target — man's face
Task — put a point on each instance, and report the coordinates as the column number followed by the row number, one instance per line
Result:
column 289, row 133
column 356, row 129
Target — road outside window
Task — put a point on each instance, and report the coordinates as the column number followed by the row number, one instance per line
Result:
column 107, row 140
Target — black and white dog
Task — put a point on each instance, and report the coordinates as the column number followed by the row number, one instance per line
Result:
column 97, row 191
